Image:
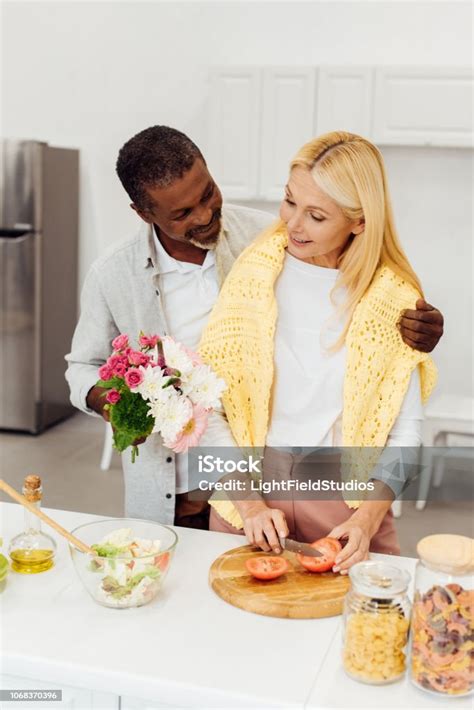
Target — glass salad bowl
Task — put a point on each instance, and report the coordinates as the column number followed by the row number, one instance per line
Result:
column 131, row 561
column 4, row 566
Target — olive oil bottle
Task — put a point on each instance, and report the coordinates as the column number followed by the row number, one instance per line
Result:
column 32, row 551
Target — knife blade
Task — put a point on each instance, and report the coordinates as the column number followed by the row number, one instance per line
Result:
column 303, row 548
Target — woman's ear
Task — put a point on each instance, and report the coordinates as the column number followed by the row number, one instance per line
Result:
column 359, row 227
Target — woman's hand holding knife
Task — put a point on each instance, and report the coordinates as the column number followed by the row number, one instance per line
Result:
column 263, row 526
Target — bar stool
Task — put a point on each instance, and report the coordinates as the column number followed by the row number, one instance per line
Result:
column 444, row 416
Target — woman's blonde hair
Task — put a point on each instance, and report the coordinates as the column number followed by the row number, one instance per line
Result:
column 350, row 170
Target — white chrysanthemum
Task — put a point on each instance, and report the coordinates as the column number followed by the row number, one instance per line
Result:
column 158, row 407
column 153, row 382
column 175, row 356
column 203, row 386
column 171, row 416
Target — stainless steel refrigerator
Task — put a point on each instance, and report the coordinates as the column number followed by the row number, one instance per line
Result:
column 39, row 188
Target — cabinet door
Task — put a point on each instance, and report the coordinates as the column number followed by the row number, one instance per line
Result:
column 345, row 100
column 72, row 698
column 287, row 123
column 234, row 130
column 425, row 106
column 127, row 703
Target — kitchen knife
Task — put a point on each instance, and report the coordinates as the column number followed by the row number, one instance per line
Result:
column 300, row 547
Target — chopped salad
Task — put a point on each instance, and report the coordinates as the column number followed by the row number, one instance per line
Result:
column 131, row 568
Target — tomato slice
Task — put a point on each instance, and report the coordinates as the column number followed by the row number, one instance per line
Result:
column 266, row 567
column 162, row 561
column 332, row 542
column 329, row 547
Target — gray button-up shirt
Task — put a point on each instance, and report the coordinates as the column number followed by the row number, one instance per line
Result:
column 121, row 294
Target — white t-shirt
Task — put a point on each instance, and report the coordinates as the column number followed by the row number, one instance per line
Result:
column 308, row 385
column 189, row 292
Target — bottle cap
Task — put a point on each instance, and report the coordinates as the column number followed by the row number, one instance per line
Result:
column 32, row 488
column 452, row 554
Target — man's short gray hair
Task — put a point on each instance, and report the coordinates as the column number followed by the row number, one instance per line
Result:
column 155, row 157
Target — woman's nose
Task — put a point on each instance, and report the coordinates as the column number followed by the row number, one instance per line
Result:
column 295, row 222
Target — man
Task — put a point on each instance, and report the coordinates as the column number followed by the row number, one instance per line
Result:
column 165, row 280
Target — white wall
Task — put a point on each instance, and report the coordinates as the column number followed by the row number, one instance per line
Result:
column 90, row 75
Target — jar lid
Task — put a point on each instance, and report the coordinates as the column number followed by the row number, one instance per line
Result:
column 378, row 579
column 453, row 554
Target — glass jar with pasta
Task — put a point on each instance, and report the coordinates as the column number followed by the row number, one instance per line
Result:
column 442, row 646
column 376, row 623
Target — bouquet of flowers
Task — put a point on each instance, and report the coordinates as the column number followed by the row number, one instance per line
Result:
column 162, row 387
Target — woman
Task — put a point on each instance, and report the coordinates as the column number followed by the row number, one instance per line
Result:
column 305, row 334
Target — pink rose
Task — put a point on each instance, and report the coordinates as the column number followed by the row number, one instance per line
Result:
column 134, row 377
column 113, row 360
column 112, row 396
column 120, row 342
column 120, row 369
column 136, row 358
column 105, row 372
column 148, row 341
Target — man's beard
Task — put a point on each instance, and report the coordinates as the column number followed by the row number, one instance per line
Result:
column 209, row 243
column 208, row 246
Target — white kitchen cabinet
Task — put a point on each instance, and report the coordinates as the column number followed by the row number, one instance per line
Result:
column 234, row 130
column 287, row 123
column 72, row 698
column 127, row 703
column 344, row 100
column 423, row 106
column 259, row 117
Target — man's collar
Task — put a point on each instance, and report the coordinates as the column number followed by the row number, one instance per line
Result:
column 147, row 246
column 147, row 239
column 165, row 263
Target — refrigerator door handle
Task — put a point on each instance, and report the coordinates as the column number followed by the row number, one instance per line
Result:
column 7, row 234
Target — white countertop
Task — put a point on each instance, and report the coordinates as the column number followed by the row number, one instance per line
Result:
column 188, row 648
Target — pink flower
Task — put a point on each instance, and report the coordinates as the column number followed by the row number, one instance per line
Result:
column 120, row 342
column 134, row 377
column 113, row 360
column 120, row 369
column 192, row 432
column 148, row 341
column 136, row 358
column 194, row 357
column 112, row 396
column 105, row 372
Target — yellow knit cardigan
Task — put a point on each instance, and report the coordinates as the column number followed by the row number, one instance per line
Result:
column 238, row 343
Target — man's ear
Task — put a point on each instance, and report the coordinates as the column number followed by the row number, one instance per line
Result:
column 144, row 215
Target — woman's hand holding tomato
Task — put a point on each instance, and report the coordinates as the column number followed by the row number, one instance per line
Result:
column 358, row 533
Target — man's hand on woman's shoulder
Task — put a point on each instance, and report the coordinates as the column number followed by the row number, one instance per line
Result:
column 422, row 328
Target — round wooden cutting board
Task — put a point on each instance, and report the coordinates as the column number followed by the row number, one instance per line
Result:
column 298, row 594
